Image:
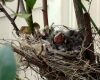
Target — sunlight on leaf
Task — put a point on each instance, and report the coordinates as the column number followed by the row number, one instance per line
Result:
column 23, row 15
column 30, row 3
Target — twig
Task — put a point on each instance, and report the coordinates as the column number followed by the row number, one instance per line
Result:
column 17, row 10
column 45, row 17
column 11, row 20
column 22, row 7
column 31, row 60
column 45, row 13
column 90, row 5
column 79, row 14
column 94, row 25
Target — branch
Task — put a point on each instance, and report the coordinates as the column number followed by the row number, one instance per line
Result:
column 17, row 10
column 71, row 55
column 95, row 26
column 11, row 20
column 45, row 17
column 22, row 7
column 33, row 59
column 45, row 13
column 79, row 14
column 89, row 39
column 90, row 5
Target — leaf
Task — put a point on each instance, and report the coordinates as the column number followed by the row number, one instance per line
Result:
column 7, row 63
column 30, row 3
column 23, row 15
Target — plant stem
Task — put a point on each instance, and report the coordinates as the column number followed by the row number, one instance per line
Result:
column 29, row 20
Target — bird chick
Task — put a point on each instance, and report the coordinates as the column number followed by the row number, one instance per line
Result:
column 37, row 33
column 25, row 30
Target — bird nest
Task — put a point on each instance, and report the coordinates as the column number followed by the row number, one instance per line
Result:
column 55, row 64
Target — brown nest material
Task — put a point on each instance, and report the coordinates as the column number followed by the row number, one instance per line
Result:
column 57, row 65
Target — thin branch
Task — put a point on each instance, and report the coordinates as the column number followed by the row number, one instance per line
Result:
column 79, row 14
column 94, row 25
column 11, row 20
column 22, row 7
column 45, row 17
column 90, row 5
column 31, row 60
column 89, row 38
column 45, row 13
column 18, row 4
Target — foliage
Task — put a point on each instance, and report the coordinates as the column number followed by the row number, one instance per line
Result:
column 29, row 6
column 30, row 3
column 67, row 64
column 23, row 15
column 7, row 63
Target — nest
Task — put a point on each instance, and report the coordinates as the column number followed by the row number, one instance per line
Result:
column 57, row 64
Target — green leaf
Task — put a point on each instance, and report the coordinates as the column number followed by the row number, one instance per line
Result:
column 7, row 63
column 30, row 3
column 23, row 15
